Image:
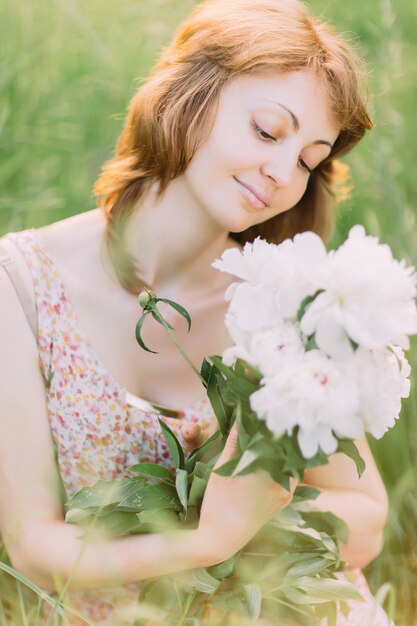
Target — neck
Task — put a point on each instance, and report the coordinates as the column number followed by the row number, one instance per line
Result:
column 174, row 241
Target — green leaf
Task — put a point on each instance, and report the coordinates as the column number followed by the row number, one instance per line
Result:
column 326, row 611
column 181, row 484
column 153, row 470
column 191, row 520
column 228, row 468
column 160, row 593
column 223, row 570
column 286, row 526
column 114, row 524
column 242, row 385
column 348, row 447
column 311, row 344
column 253, row 596
column 138, row 331
column 242, row 434
column 240, row 368
column 213, row 393
column 354, row 345
column 198, row 487
column 77, row 516
column 198, row 580
column 174, row 446
column 260, row 454
column 161, row 320
column 202, row 470
column 249, row 372
column 256, row 438
column 201, row 452
column 230, row 602
column 178, row 308
column 329, row 589
column 308, row 567
column 41, row 593
column 295, row 463
column 103, row 493
column 226, row 370
column 325, row 521
column 251, row 424
column 303, row 493
column 302, row 599
column 205, row 371
column 275, row 569
column 160, row 496
column 159, row 520
column 247, row 459
column 306, row 303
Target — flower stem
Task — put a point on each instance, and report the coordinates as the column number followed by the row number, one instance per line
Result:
column 190, row 599
column 177, row 344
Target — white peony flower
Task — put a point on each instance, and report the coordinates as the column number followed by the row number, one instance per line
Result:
column 276, row 278
column 382, row 380
column 305, row 271
column 257, row 263
column 267, row 350
column 254, row 307
column 310, row 392
column 368, row 296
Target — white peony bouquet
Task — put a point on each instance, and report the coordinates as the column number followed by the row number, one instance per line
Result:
column 326, row 331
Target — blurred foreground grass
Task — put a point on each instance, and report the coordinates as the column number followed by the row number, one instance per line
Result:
column 67, row 72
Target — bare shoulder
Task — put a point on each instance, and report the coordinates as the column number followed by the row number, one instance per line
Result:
column 70, row 241
column 76, row 246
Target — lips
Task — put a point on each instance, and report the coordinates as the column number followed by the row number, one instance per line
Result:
column 254, row 195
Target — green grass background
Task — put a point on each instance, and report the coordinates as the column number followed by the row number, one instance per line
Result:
column 67, row 71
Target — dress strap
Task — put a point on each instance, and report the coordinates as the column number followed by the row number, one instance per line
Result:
column 24, row 294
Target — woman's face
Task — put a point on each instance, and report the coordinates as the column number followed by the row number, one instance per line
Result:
column 269, row 132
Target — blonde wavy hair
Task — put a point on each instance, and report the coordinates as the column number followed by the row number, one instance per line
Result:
column 171, row 113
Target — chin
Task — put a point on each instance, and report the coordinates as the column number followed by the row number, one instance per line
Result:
column 240, row 222
column 240, row 228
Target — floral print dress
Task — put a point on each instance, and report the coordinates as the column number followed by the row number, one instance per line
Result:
column 98, row 432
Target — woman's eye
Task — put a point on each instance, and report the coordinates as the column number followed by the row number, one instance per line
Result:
column 305, row 166
column 267, row 137
column 262, row 133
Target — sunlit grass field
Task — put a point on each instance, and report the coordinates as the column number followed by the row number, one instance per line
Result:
column 67, row 71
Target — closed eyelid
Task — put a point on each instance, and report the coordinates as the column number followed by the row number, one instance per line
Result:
column 304, row 165
column 285, row 113
column 258, row 129
column 295, row 123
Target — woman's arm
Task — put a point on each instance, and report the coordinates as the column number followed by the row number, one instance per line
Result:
column 361, row 502
column 46, row 549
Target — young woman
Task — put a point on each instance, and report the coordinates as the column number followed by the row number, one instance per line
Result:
column 234, row 135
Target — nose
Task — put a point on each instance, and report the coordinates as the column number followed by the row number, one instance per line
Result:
column 281, row 167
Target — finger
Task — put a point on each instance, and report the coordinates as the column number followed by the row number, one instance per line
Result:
column 195, row 434
column 191, row 432
column 192, row 436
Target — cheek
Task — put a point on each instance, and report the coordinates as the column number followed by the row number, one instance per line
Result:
column 207, row 161
column 294, row 194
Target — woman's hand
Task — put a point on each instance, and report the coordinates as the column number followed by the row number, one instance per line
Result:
column 235, row 509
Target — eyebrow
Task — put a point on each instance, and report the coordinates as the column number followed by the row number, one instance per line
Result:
column 296, row 123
